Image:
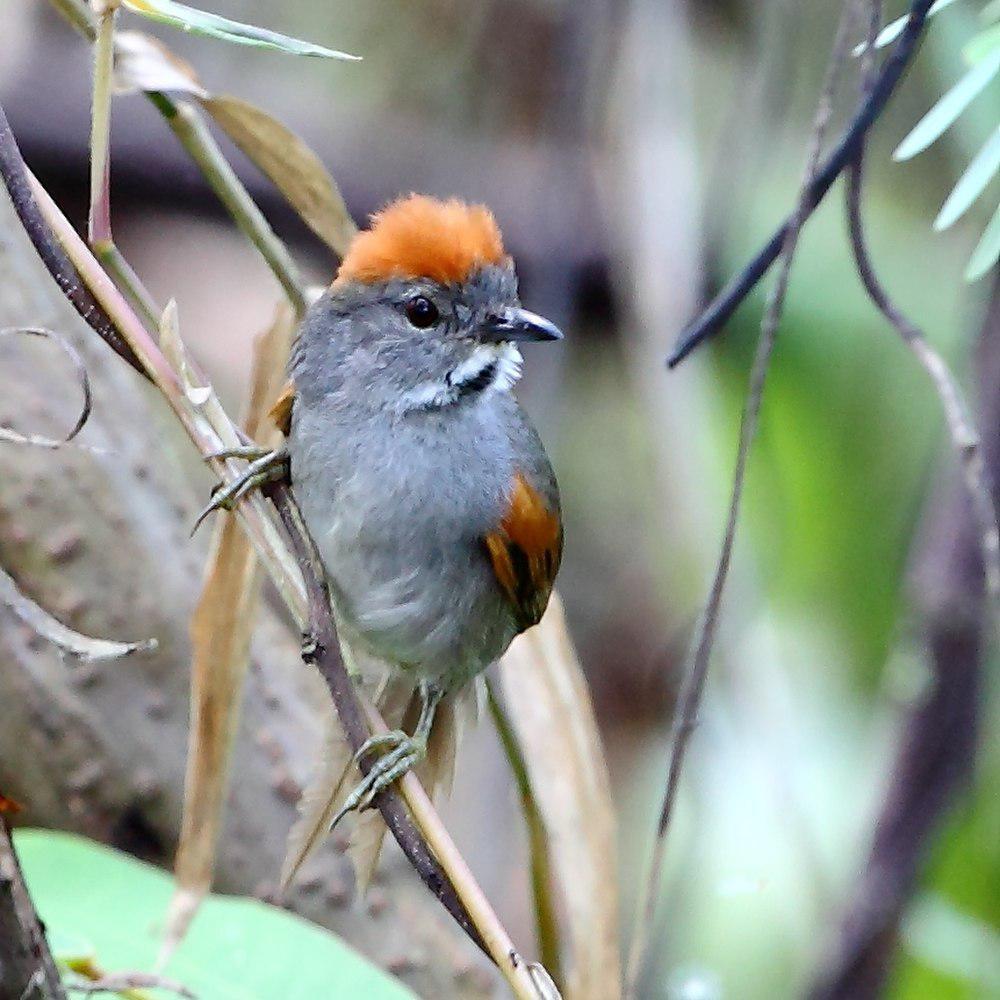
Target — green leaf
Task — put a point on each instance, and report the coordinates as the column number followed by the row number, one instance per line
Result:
column 987, row 252
column 200, row 22
column 894, row 29
column 972, row 183
column 982, row 45
column 951, row 105
column 105, row 904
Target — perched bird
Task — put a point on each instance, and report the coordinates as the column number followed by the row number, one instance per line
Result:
column 424, row 486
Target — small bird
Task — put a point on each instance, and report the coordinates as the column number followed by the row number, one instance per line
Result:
column 423, row 484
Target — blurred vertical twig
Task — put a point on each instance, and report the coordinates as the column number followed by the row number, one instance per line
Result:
column 547, row 924
column 27, row 969
column 936, row 753
column 962, row 429
column 686, row 713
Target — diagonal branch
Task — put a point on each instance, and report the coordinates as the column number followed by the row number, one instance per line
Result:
column 100, row 300
column 712, row 319
column 27, row 969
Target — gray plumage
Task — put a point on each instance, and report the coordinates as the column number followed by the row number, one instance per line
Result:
column 398, row 488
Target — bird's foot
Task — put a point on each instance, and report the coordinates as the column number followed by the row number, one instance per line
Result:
column 397, row 754
column 266, row 466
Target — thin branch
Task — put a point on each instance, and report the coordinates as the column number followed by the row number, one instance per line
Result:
column 320, row 647
column 16, row 178
column 712, row 319
column 964, row 436
column 689, row 700
column 211, row 430
column 27, row 968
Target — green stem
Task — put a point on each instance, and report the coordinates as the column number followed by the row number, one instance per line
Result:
column 189, row 127
column 546, row 919
column 99, row 220
column 203, row 149
column 128, row 281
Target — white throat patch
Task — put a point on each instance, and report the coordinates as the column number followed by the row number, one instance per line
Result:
column 489, row 368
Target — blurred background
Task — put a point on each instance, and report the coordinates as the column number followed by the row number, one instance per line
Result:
column 636, row 154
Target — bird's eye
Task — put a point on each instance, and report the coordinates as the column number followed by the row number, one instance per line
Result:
column 421, row 312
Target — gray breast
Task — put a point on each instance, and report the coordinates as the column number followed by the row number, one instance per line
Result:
column 398, row 507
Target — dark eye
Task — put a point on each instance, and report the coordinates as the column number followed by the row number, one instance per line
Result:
column 421, row 312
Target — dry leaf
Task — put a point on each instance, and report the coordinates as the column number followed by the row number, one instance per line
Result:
column 9, row 806
column 291, row 166
column 549, row 707
column 143, row 63
column 220, row 641
column 83, row 646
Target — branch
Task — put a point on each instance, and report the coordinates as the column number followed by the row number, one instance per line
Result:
column 27, row 969
column 468, row 904
column 685, row 718
column 728, row 300
column 964, row 436
column 320, row 648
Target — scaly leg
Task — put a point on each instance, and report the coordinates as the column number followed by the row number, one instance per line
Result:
column 266, row 467
column 398, row 754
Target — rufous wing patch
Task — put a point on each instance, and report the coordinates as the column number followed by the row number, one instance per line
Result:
column 421, row 237
column 281, row 412
column 525, row 551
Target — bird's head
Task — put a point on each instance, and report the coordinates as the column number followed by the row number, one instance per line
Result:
column 424, row 311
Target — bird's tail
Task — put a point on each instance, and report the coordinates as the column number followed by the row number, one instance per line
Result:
column 398, row 702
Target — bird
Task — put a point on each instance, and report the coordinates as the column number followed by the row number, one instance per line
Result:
column 426, row 489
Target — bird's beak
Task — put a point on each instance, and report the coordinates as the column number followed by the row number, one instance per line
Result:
column 519, row 325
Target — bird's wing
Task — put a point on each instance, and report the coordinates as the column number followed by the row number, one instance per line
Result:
column 525, row 550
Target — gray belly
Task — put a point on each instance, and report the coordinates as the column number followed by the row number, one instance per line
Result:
column 399, row 530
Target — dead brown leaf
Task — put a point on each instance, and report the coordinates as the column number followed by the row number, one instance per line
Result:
column 220, row 641
column 290, row 164
column 550, row 710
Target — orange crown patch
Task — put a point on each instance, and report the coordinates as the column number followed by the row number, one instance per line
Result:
column 421, row 237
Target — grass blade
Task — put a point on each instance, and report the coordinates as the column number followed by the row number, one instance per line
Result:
column 972, row 183
column 934, row 124
column 200, row 22
column 986, row 253
column 550, row 710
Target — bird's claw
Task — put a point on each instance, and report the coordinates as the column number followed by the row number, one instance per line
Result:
column 266, row 466
column 398, row 753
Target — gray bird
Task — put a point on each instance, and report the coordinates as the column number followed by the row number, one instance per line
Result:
column 424, row 486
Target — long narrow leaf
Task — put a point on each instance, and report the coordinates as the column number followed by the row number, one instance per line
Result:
column 987, row 252
column 972, row 183
column 200, row 22
column 894, row 29
column 951, row 105
column 220, row 641
column 982, row 45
